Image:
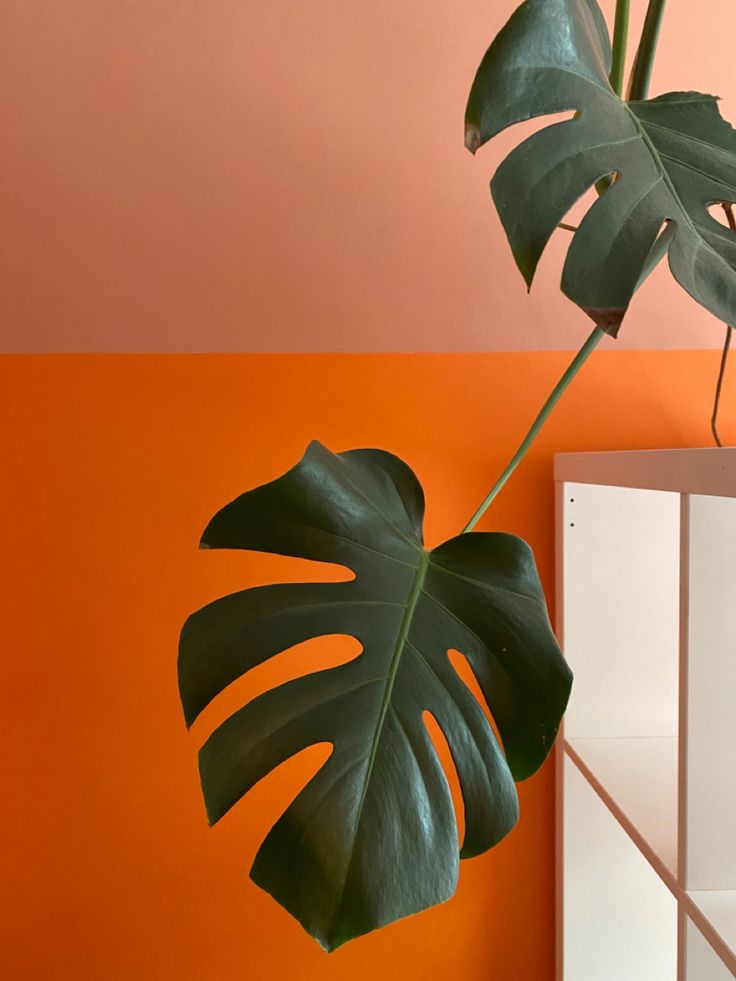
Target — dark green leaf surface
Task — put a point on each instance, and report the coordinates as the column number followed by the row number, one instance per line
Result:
column 675, row 155
column 373, row 837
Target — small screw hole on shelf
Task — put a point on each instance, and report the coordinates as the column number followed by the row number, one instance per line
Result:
column 572, row 524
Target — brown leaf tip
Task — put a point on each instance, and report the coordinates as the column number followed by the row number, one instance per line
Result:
column 472, row 137
column 608, row 319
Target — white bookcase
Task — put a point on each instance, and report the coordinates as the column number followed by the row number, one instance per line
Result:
column 646, row 761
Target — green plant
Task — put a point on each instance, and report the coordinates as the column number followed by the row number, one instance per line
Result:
column 373, row 836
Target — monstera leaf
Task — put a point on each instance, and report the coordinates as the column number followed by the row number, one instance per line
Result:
column 673, row 157
column 373, row 837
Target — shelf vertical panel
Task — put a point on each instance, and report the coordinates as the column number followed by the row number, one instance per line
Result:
column 559, row 749
column 621, row 610
column 710, row 844
column 620, row 920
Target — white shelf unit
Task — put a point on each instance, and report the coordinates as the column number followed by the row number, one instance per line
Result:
column 646, row 759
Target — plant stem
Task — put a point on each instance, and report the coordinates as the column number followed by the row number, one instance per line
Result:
column 573, row 368
column 620, row 39
column 657, row 252
column 728, row 209
column 719, row 386
column 642, row 71
column 618, row 66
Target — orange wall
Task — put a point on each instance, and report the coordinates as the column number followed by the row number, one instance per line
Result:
column 282, row 175
column 112, row 467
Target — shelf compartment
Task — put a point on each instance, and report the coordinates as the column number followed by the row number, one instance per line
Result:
column 715, row 909
column 639, row 777
column 621, row 610
column 620, row 920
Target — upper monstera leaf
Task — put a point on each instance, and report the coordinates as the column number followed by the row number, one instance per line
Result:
column 673, row 156
column 373, row 837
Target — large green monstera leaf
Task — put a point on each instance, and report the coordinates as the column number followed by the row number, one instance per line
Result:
column 673, row 155
column 373, row 836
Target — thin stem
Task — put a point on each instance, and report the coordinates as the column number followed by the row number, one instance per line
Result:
column 573, row 368
column 618, row 66
column 728, row 209
column 719, row 386
column 657, row 252
column 642, row 71
column 620, row 40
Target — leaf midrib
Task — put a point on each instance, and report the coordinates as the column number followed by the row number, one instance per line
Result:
column 640, row 128
column 658, row 162
column 401, row 642
column 651, row 148
column 646, row 140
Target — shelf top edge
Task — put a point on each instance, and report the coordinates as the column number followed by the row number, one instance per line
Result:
column 710, row 471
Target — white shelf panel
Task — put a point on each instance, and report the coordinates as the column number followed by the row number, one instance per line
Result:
column 620, row 920
column 702, row 962
column 711, row 686
column 699, row 471
column 640, row 775
column 718, row 907
column 621, row 610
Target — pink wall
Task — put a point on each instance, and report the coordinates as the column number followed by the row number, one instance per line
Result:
column 281, row 175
